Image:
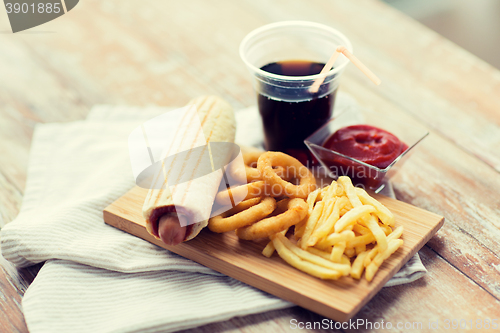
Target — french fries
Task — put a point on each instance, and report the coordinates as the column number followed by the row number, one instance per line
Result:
column 304, row 265
column 383, row 213
column 328, row 224
column 268, row 250
column 311, row 223
column 347, row 232
column 352, row 216
column 304, row 255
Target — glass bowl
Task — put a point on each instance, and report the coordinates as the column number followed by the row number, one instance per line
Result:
column 361, row 173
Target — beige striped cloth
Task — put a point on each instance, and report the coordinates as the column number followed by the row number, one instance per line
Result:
column 97, row 278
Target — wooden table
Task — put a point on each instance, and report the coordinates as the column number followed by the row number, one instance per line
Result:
column 166, row 52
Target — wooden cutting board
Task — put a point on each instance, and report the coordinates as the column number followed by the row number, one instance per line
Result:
column 338, row 300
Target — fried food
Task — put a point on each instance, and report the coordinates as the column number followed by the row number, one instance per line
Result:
column 243, row 206
column 312, row 198
column 253, row 174
column 248, row 191
column 293, row 169
column 344, row 222
column 250, row 160
column 296, row 211
column 311, row 223
column 334, row 238
column 304, row 255
column 372, row 224
column 268, row 250
column 373, row 267
column 325, row 228
column 357, row 266
column 303, row 265
column 337, row 251
column 339, row 230
column 384, row 214
column 373, row 252
column 352, row 216
column 251, row 221
column 244, row 217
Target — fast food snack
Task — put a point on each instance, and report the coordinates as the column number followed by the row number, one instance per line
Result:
column 254, row 222
column 289, row 254
column 296, row 211
column 344, row 224
column 269, row 160
column 244, row 217
column 162, row 216
column 252, row 190
column 339, row 230
column 250, row 159
column 252, row 172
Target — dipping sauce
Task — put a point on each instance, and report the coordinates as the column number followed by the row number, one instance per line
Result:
column 288, row 121
column 367, row 144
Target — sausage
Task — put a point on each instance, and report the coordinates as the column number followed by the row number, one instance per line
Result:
column 170, row 230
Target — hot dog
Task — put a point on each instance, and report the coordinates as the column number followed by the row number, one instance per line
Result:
column 170, row 230
column 162, row 216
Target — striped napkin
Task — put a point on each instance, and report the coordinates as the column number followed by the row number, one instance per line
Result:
column 97, row 278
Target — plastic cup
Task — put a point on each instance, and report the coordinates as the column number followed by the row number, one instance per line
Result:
column 289, row 111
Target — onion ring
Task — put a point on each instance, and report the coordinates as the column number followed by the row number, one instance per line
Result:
column 248, row 216
column 253, row 174
column 281, row 207
column 247, row 191
column 242, row 206
column 297, row 211
column 265, row 165
column 250, row 158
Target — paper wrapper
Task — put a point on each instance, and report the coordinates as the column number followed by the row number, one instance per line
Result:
column 193, row 161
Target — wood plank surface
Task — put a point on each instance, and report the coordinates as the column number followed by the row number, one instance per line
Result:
column 338, row 300
column 167, row 52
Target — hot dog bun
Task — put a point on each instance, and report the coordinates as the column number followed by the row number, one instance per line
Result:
column 218, row 125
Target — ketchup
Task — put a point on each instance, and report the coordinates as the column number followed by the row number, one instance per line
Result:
column 368, row 144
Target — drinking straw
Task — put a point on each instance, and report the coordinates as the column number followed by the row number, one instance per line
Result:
column 328, row 66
